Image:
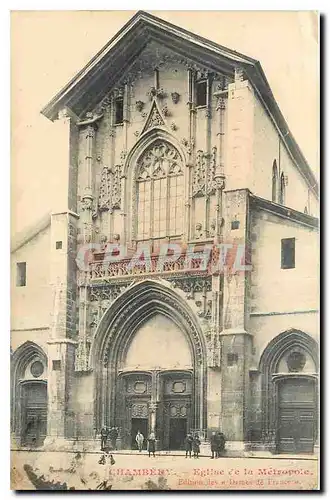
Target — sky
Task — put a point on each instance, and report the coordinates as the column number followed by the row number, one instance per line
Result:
column 49, row 47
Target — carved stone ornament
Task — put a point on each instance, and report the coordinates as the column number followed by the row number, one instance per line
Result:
column 213, row 350
column 139, row 106
column 189, row 145
column 199, row 231
column 296, row 361
column 110, row 188
column 212, row 228
column 166, row 111
column 204, row 173
column 175, row 97
column 154, row 119
column 105, row 189
column 140, row 410
column 199, row 178
column 87, row 204
column 154, row 92
column 221, row 104
column 174, row 127
column 178, row 387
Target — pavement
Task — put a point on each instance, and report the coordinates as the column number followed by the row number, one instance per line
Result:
column 32, row 470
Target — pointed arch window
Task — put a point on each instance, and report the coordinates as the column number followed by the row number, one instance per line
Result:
column 274, row 182
column 282, row 190
column 160, row 192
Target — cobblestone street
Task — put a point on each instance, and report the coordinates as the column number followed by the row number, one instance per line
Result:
column 59, row 470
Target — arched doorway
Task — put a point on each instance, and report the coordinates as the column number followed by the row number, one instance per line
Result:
column 29, row 395
column 150, row 364
column 155, row 378
column 289, row 393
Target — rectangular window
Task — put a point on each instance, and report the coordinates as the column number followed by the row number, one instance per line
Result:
column 201, row 93
column 232, row 359
column 21, row 274
column 288, row 253
column 119, row 110
column 56, row 364
column 58, row 245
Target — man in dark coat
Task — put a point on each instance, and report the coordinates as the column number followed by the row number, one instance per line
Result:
column 113, row 434
column 196, row 446
column 221, row 444
column 188, row 444
column 104, row 435
column 214, row 444
column 151, row 444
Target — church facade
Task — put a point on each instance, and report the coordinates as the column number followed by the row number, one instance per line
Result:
column 175, row 289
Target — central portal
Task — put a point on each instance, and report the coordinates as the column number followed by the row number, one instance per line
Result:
column 154, row 388
column 150, row 362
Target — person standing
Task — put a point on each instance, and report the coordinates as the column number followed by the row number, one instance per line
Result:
column 104, row 435
column 151, row 443
column 139, row 440
column 113, row 437
column 214, row 445
column 196, row 446
column 221, row 444
column 188, row 444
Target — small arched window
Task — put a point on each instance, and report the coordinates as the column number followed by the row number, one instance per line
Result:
column 282, row 190
column 274, row 181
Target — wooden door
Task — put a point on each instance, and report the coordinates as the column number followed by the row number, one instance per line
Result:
column 296, row 416
column 34, row 413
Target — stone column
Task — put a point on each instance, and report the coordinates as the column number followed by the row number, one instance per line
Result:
column 236, row 341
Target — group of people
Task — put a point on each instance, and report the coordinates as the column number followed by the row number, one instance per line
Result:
column 109, row 434
column 151, row 440
column 218, row 443
column 192, row 444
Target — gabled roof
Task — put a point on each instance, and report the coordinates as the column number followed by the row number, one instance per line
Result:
column 99, row 76
column 30, row 232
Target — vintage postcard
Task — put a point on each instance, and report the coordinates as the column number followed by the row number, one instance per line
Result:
column 164, row 252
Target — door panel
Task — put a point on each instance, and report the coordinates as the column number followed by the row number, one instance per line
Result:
column 296, row 416
column 178, row 432
column 34, row 414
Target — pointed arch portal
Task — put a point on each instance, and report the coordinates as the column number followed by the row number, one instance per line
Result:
column 29, row 394
column 289, row 367
column 149, row 359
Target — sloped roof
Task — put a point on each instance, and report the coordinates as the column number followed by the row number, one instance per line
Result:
column 29, row 233
column 97, row 78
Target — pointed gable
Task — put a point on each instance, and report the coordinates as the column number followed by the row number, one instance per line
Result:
column 154, row 119
column 102, row 74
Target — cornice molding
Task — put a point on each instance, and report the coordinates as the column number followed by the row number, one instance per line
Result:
column 284, row 212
